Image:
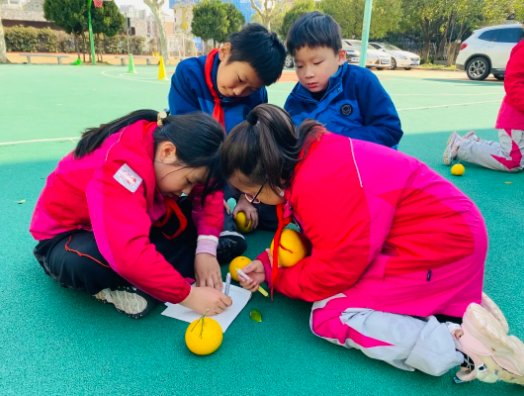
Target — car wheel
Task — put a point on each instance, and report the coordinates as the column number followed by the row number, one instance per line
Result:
column 499, row 77
column 393, row 64
column 407, row 68
column 289, row 62
column 478, row 68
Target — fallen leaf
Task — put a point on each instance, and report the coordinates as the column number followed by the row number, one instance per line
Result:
column 508, row 182
column 22, row 201
column 255, row 315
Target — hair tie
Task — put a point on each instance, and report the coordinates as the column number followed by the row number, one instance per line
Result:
column 160, row 118
column 252, row 118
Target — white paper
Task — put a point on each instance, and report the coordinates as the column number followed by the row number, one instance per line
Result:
column 239, row 295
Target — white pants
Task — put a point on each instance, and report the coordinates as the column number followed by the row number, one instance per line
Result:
column 403, row 341
column 504, row 155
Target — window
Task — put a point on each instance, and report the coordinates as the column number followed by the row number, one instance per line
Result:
column 510, row 35
column 490, row 35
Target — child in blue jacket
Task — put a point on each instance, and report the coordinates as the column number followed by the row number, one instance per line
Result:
column 347, row 99
column 228, row 83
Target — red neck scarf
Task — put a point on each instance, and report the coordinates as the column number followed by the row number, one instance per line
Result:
column 218, row 111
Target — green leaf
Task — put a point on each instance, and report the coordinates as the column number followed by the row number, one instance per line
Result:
column 20, row 202
column 255, row 315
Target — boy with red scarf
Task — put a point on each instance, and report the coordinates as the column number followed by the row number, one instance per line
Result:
column 228, row 83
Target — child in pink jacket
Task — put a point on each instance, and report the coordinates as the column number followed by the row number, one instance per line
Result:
column 397, row 252
column 115, row 217
column 508, row 153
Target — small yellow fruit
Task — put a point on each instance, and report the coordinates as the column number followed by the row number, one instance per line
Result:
column 458, row 170
column 243, row 225
column 292, row 248
column 238, row 263
column 204, row 336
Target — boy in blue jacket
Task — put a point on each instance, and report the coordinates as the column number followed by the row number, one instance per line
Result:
column 228, row 83
column 347, row 99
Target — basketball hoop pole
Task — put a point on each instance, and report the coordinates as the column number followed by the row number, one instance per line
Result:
column 91, row 38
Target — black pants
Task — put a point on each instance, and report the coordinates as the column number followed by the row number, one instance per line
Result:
column 74, row 260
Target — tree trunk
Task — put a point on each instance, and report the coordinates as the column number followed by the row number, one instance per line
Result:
column 3, row 50
column 155, row 7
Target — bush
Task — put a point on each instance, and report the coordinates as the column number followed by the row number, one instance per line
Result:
column 47, row 40
column 21, row 39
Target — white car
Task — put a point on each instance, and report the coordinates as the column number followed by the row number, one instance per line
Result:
column 487, row 51
column 377, row 59
column 399, row 58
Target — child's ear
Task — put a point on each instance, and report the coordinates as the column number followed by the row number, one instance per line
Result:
column 166, row 153
column 341, row 57
column 224, row 52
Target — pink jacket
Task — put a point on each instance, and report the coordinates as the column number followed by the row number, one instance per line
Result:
column 84, row 194
column 511, row 113
column 385, row 230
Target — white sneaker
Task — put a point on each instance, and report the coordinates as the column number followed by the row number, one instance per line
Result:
column 129, row 300
column 496, row 355
column 471, row 135
column 493, row 309
column 451, row 150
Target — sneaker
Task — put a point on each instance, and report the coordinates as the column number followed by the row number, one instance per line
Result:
column 230, row 245
column 129, row 300
column 451, row 150
column 488, row 304
column 471, row 135
column 495, row 355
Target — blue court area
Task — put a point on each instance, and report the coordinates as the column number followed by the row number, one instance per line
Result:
column 59, row 341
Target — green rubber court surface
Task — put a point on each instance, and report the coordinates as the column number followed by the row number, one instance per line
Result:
column 56, row 341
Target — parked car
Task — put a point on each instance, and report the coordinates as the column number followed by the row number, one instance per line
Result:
column 399, row 58
column 487, row 51
column 375, row 58
column 289, row 62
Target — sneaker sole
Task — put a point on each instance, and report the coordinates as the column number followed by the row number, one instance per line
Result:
column 131, row 304
column 446, row 157
column 482, row 329
column 494, row 309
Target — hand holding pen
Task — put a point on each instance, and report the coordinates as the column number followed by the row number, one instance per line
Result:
column 252, row 276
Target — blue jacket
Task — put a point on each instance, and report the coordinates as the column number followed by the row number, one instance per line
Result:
column 355, row 104
column 189, row 93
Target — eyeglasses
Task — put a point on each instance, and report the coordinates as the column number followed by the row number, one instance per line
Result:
column 253, row 198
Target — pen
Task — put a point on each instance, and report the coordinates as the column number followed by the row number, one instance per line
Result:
column 228, row 284
column 248, row 278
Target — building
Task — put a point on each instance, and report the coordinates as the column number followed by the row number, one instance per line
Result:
column 24, row 13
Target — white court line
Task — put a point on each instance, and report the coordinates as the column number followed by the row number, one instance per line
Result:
column 16, row 142
column 447, row 105
column 122, row 76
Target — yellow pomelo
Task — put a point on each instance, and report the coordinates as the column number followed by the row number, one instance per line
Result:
column 243, row 225
column 458, row 170
column 204, row 336
column 292, row 248
column 238, row 263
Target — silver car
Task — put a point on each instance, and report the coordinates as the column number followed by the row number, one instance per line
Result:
column 399, row 58
column 377, row 59
column 487, row 51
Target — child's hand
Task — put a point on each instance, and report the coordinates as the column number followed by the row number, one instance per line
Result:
column 255, row 270
column 207, row 271
column 243, row 205
column 206, row 300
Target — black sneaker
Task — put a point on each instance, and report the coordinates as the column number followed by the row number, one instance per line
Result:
column 129, row 300
column 230, row 245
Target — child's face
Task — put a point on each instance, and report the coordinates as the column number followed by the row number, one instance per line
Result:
column 236, row 79
column 263, row 193
column 315, row 65
column 174, row 178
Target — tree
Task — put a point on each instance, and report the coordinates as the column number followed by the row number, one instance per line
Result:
column 300, row 8
column 210, row 21
column 156, row 9
column 107, row 21
column 3, row 51
column 70, row 15
column 385, row 17
column 235, row 20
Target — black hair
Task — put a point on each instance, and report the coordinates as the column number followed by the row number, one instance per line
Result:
column 197, row 137
column 314, row 29
column 260, row 48
column 266, row 146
